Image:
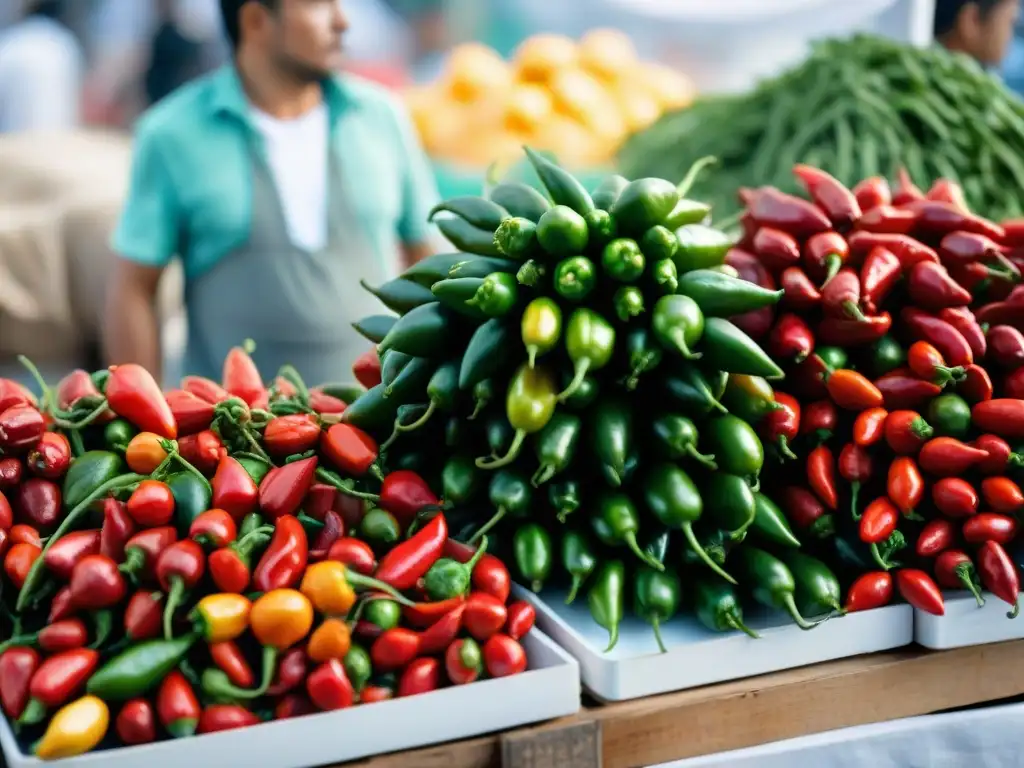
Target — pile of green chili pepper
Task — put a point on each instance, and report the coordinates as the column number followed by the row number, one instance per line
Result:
column 571, row 385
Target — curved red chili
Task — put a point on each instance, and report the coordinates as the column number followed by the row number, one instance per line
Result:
column 350, row 449
column 976, row 385
column 133, row 394
column 821, row 475
column 407, row 563
column 869, row 426
column 955, row 570
column 999, row 575
column 241, row 377
column 931, row 287
column 830, row 194
column 806, row 512
column 771, row 207
column 948, row 457
column 850, row 390
column 887, row 219
column 206, row 389
column 849, row 333
column 404, row 494
column 283, row 489
column 285, row 558
column 292, row 434
column 233, row 488
column 800, row 293
column 905, row 248
column 824, row 254
column 947, row 339
column 776, row 249
column 880, row 271
column 918, row 589
column 191, row 413
column 856, row 467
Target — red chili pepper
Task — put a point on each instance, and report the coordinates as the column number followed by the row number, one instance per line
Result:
column 234, row 490
column 869, row 426
column 203, row 450
column 879, row 273
column 136, row 723
column 967, row 248
column 463, row 662
column 937, row 536
column 144, row 548
column 13, row 393
column 948, row 457
column 947, row 191
column 334, row 529
column 749, row 266
column 291, row 672
column 404, row 494
column 75, row 387
column 21, row 427
column 283, row 389
column 19, row 560
column 213, row 528
column 10, row 472
column 191, row 413
column 989, row 526
column 755, row 323
column 366, row 368
column 51, row 456
column 241, row 377
column 65, row 553
column 319, row 501
column 824, row 254
column 442, row 633
column 829, row 194
column 1013, row 230
column 870, row 590
column 856, row 467
column 918, row 589
column 999, row 575
column 178, row 569
column 955, row 497
column 38, row 502
column 18, row 665
column 64, row 635
column 284, row 561
column 427, row 614
column 901, row 389
column 931, row 287
column 96, row 583
column 324, row 404
column 1002, row 313
column 229, row 570
column 821, row 475
column 877, row 524
column 177, row 705
column 133, row 394
column 776, row 249
column 225, row 717
column 61, row 606
column 143, row 615
column 26, row 534
column 887, row 219
column 151, row 504
column 906, row 190
column 905, row 248
column 840, row 296
column 1013, row 385
column 906, row 431
column 503, row 656
column 819, row 419
column 394, row 649
column 350, row 449
column 998, row 455
column 355, row 554
column 485, row 615
column 1002, row 494
column 936, row 218
column 849, row 333
column 205, row 389
column 351, row 509
column 791, row 339
column 781, row 426
column 800, row 292
column 521, row 618
column 976, row 385
column 296, row 705
column 927, row 362
column 231, row 661
column 872, row 192
column 850, row 390
column 770, row 207
column 1006, row 346
column 61, row 676
column 905, row 485
column 283, row 489
column 407, row 563
column 806, row 512
column 492, row 577
column 288, row 435
column 422, row 676
column 954, row 570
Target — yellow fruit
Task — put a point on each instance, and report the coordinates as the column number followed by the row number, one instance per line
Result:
column 638, row 107
column 607, row 52
column 671, row 88
column 578, row 92
column 442, row 127
column 474, row 71
column 528, row 106
column 539, row 57
column 572, row 142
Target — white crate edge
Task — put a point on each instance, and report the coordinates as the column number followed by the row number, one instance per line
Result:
column 966, row 623
column 549, row 689
column 717, row 658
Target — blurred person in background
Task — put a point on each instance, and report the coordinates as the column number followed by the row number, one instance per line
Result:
column 280, row 184
column 982, row 29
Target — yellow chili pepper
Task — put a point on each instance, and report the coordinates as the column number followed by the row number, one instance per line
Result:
column 327, row 586
column 280, row 618
column 222, row 616
column 76, row 728
column 331, row 640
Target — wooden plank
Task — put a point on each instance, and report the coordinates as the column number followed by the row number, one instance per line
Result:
column 744, row 713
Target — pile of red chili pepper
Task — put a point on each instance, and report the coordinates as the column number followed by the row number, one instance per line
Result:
column 208, row 558
column 900, row 333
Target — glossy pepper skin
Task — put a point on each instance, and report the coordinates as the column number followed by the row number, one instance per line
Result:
column 178, row 569
column 234, row 489
column 177, row 706
column 284, row 488
column 284, row 560
column 18, row 665
column 75, row 729
column 405, row 564
column 133, row 393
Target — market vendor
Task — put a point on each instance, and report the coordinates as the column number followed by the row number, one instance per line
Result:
column 280, row 185
column 982, row 29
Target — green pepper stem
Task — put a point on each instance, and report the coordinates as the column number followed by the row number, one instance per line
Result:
column 707, row 459
column 29, row 640
column 577, row 582
column 368, row 582
column 694, row 171
column 431, row 410
column 965, row 572
column 33, row 714
column 732, row 620
column 289, row 374
column 471, row 563
column 489, row 525
column 691, row 539
column 544, row 473
column 508, row 458
column 630, row 541
column 853, row 311
column 174, row 597
column 790, row 605
column 333, row 480
column 582, row 367
column 783, row 445
column 877, row 557
column 184, row 463
column 532, row 350
column 833, row 263
column 220, row 687
column 656, row 626
column 1016, row 610
column 478, row 408
column 678, row 339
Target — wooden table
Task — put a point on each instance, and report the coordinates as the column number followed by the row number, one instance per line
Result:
column 745, row 713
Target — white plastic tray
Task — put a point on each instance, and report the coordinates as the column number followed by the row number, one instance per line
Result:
column 549, row 689
column 697, row 656
column 967, row 623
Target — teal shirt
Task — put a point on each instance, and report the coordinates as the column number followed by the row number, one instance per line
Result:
column 190, row 194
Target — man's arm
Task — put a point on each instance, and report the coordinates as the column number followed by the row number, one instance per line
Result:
column 419, row 194
column 131, row 328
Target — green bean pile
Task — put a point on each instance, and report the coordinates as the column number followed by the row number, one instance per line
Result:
column 857, row 107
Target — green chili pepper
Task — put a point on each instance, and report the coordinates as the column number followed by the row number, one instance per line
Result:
column 555, row 446
column 700, row 247
column 520, row 200
column 562, row 232
column 433, row 268
column 719, row 295
column 602, row 228
column 678, row 324
column 725, row 269
column 427, row 331
column 950, row 415
column 833, row 357
column 585, row 395
column 415, row 461
column 460, row 480
column 564, row 188
column 622, row 260
column 578, row 559
column 117, row 434
column 674, row 500
column 375, row 327
column 656, row 598
column 100, row 379
column 727, row 348
column 749, row 398
column 887, row 355
column 191, row 498
column 718, row 381
column 658, row 244
column 666, row 276
column 87, row 473
column 612, row 438
column 484, row 392
column 454, row 432
column 385, row 614
column 564, row 497
column 590, row 342
column 689, row 387
column 736, row 446
column 770, row 582
column 443, row 391
column 657, row 544
column 817, row 588
column 510, row 493
column 645, row 354
column 410, row 381
column 358, row 667
column 717, row 606
column 457, row 293
column 616, row 521
column 372, row 410
column 529, row 406
column 400, row 295
column 485, row 353
column 482, row 267
column 516, row 238
column 531, row 548
column 770, row 524
column 628, row 302
column 478, row 211
column 675, row 438
column 643, row 204
column 346, row 391
column 379, row 526
column 499, row 434
column 575, row 278
column 606, row 599
column 540, row 327
column 465, row 237
column 448, row 578
column 608, row 191
column 392, row 363
column 729, row 503
column 686, row 212
column 255, row 467
column 139, row 668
